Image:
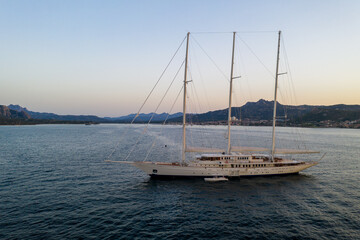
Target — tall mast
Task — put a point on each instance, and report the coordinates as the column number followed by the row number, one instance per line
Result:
column 184, row 100
column 275, row 99
column 230, row 95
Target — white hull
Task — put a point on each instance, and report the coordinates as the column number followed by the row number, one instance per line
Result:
column 168, row 170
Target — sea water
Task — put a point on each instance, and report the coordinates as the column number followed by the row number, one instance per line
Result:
column 55, row 184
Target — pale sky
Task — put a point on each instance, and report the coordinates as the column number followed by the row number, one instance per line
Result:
column 103, row 57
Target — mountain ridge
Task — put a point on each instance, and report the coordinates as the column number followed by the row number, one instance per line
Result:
column 251, row 113
column 143, row 117
column 6, row 112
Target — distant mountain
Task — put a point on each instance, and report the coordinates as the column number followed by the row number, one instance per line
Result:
column 330, row 114
column 342, row 107
column 145, row 117
column 17, row 108
column 262, row 110
column 256, row 111
column 7, row 113
column 252, row 113
column 53, row 116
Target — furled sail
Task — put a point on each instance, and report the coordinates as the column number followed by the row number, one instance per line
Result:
column 248, row 149
column 204, row 150
column 294, row 151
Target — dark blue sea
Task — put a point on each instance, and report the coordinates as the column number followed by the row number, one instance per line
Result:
column 55, row 184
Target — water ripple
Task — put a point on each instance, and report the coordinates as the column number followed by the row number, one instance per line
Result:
column 54, row 184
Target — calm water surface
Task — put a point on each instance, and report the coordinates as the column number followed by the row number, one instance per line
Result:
column 55, row 184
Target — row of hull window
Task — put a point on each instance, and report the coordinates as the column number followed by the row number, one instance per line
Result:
column 236, row 165
column 246, row 165
column 238, row 158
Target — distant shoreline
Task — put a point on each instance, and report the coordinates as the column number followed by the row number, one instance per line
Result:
column 11, row 122
column 17, row 122
column 258, row 113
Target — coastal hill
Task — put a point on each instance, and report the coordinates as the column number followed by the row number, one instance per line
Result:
column 145, row 117
column 258, row 113
column 261, row 113
column 254, row 111
column 91, row 118
column 8, row 113
column 53, row 116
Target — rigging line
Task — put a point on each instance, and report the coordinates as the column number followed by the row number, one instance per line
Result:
column 261, row 62
column 244, row 76
column 210, row 32
column 243, row 94
column 284, row 104
column 288, row 69
column 162, row 74
column 117, row 145
column 239, row 66
column 196, row 96
column 300, row 136
column 202, row 80
column 236, row 97
column 205, row 92
column 233, row 32
column 199, row 110
column 177, row 50
column 291, row 87
column 154, row 142
column 167, row 90
column 148, row 123
column 257, row 31
column 193, row 105
column 226, row 77
column 192, row 116
column 288, row 96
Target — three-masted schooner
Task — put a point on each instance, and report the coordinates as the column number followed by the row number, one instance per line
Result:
column 231, row 162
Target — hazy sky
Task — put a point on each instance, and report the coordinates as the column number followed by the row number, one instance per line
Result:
column 103, row 57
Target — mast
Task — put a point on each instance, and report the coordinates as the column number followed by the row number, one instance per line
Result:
column 275, row 99
column 184, row 100
column 230, row 95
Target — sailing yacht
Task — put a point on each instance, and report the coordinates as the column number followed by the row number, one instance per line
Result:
column 231, row 162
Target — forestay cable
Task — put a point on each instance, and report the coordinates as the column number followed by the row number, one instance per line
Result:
column 137, row 114
column 153, row 144
column 148, row 123
column 226, row 77
column 256, row 56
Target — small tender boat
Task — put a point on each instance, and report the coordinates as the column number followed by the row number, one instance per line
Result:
column 216, row 179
